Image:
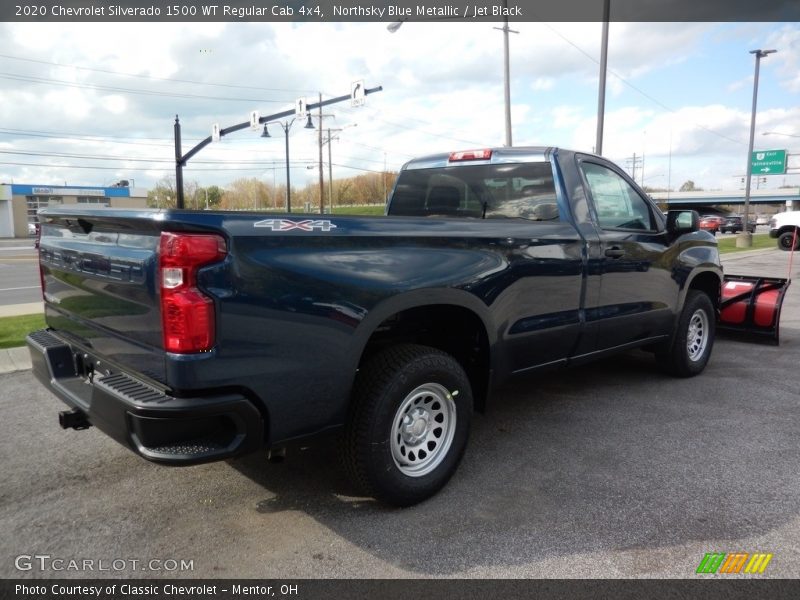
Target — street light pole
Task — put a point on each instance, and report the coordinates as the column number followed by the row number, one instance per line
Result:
column 601, row 92
column 779, row 133
column 506, row 82
column 181, row 159
column 286, row 126
column 745, row 238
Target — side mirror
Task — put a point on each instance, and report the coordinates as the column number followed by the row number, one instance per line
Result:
column 682, row 221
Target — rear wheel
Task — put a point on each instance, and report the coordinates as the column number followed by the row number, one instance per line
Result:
column 409, row 424
column 688, row 351
column 787, row 239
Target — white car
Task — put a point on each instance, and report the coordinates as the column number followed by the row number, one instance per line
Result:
column 786, row 227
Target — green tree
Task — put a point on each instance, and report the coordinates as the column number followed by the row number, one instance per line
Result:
column 689, row 186
column 163, row 194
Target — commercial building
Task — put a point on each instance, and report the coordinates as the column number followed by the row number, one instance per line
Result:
column 19, row 203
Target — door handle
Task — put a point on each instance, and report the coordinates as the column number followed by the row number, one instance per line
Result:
column 615, row 252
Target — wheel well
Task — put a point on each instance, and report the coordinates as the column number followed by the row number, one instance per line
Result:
column 452, row 329
column 709, row 284
column 788, row 229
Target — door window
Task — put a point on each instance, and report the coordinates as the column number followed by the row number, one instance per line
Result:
column 618, row 205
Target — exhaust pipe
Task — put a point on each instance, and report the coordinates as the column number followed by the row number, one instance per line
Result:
column 73, row 419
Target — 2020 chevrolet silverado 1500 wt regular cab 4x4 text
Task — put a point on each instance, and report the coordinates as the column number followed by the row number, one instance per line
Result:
column 192, row 336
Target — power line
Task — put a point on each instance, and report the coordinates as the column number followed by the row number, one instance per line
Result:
column 61, row 82
column 127, row 158
column 405, row 127
column 150, row 77
column 261, row 167
column 100, row 139
column 636, row 89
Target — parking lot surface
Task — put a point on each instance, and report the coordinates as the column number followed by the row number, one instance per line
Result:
column 608, row 470
column 19, row 272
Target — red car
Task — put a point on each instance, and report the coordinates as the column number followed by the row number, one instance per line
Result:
column 711, row 223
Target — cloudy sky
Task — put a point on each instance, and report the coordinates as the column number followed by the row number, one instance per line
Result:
column 94, row 103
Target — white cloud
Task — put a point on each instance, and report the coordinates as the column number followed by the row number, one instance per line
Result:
column 543, row 84
column 443, row 90
column 787, row 42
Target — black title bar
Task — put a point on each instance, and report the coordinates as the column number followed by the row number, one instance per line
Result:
column 461, row 11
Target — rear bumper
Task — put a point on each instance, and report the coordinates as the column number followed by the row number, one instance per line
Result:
column 155, row 425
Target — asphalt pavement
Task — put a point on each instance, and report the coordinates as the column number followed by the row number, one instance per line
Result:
column 19, row 272
column 607, row 470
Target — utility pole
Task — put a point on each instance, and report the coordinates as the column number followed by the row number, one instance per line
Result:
column 329, row 141
column 633, row 163
column 601, row 92
column 506, row 74
column 330, row 173
column 321, row 172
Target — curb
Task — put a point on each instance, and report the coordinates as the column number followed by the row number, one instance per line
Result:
column 14, row 359
column 18, row 310
column 723, row 256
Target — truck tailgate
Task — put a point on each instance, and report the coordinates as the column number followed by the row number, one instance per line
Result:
column 98, row 279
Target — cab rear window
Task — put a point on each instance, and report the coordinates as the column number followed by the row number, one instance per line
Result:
column 495, row 191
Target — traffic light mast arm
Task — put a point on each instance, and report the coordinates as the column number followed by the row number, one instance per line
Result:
column 182, row 159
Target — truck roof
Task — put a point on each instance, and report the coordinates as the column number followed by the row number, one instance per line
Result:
column 498, row 155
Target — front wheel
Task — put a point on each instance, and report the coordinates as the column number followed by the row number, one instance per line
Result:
column 687, row 352
column 408, row 425
column 787, row 240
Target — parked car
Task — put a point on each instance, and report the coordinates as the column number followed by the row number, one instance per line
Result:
column 733, row 224
column 711, row 223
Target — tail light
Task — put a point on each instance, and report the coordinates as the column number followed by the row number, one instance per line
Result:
column 187, row 315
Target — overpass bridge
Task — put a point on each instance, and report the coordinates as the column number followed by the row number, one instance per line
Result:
column 784, row 199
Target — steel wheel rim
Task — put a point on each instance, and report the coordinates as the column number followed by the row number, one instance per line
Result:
column 697, row 338
column 422, row 429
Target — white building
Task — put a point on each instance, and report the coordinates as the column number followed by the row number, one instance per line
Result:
column 19, row 203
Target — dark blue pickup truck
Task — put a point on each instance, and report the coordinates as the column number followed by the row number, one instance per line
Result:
column 191, row 336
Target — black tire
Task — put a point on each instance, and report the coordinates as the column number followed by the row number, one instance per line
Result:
column 427, row 383
column 688, row 351
column 785, row 241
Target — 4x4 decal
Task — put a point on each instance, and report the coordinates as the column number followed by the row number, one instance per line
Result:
column 288, row 224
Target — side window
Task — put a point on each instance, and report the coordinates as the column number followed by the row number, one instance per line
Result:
column 618, row 205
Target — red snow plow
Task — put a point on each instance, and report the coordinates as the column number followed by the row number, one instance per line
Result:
column 752, row 305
